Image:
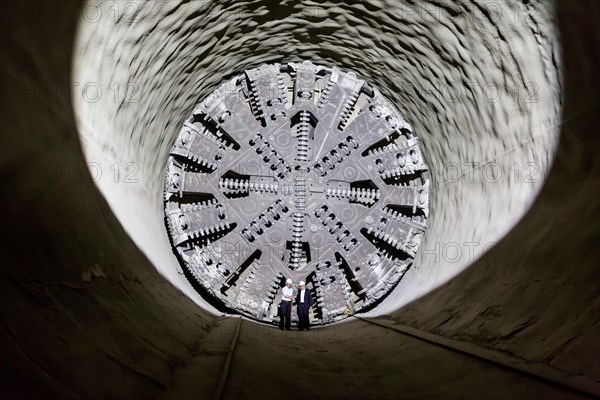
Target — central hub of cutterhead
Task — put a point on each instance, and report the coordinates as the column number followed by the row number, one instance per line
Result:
column 296, row 171
column 296, row 188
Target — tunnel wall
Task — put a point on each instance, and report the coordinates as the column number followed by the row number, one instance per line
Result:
column 535, row 296
column 85, row 314
column 479, row 82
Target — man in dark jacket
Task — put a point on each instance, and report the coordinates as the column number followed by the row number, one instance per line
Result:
column 303, row 301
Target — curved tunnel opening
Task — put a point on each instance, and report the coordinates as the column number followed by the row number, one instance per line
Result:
column 488, row 125
column 502, row 300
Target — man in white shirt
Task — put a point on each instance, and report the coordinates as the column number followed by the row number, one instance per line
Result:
column 285, row 307
column 303, row 301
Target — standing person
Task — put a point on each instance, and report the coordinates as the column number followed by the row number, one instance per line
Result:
column 285, row 308
column 303, row 300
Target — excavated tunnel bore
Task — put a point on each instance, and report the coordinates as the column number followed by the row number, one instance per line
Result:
column 488, row 125
column 487, row 309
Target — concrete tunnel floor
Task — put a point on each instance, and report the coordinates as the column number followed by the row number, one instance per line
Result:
column 92, row 303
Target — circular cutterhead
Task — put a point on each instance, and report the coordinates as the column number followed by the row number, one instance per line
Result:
column 296, row 171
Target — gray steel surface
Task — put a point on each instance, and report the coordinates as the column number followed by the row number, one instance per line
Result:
column 302, row 171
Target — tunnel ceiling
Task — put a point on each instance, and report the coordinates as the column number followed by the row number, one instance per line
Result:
column 296, row 170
